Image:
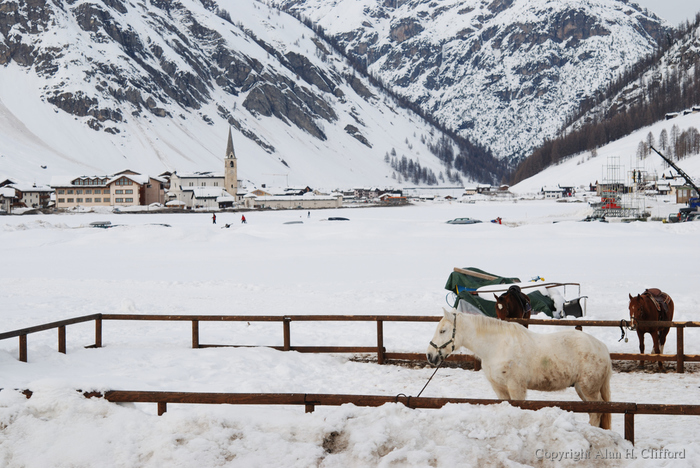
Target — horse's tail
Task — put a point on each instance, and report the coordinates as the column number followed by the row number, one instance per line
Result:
column 606, row 418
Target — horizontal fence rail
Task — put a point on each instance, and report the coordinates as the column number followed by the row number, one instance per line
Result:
column 382, row 355
column 311, row 400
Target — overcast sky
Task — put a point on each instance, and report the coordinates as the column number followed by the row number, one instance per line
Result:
column 673, row 11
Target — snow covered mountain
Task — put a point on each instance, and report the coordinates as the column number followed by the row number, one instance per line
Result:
column 666, row 85
column 504, row 73
column 92, row 87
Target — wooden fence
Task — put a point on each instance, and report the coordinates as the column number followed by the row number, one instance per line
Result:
column 382, row 355
column 310, row 401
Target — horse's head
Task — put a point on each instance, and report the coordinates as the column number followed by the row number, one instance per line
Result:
column 443, row 342
column 512, row 304
column 503, row 305
column 637, row 310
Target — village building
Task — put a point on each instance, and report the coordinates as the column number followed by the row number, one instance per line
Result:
column 307, row 201
column 207, row 190
column 553, row 192
column 393, row 199
column 126, row 188
column 684, row 193
column 33, row 196
column 7, row 199
column 469, row 190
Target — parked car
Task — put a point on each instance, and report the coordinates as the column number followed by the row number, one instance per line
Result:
column 463, row 221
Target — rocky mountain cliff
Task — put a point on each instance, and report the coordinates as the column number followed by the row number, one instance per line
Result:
column 655, row 89
column 153, row 85
column 504, row 73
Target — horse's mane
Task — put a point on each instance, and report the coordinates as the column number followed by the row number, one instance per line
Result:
column 484, row 324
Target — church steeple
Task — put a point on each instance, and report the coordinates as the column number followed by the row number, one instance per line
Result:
column 229, row 146
column 231, row 167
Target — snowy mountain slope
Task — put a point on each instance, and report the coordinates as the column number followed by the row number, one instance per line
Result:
column 677, row 69
column 583, row 169
column 504, row 73
column 96, row 87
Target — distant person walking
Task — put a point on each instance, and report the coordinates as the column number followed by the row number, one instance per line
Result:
column 308, row 214
column 213, row 218
column 243, row 221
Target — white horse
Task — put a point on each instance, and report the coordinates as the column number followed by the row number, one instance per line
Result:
column 514, row 359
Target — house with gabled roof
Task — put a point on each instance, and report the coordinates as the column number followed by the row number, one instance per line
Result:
column 126, row 188
column 7, row 199
column 33, row 196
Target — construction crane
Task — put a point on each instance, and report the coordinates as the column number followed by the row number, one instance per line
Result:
column 685, row 213
column 687, row 178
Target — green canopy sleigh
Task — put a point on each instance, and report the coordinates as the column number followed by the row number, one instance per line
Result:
column 474, row 289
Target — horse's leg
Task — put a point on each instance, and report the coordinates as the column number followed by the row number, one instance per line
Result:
column 501, row 391
column 663, row 332
column 657, row 348
column 517, row 390
column 593, row 418
column 640, row 335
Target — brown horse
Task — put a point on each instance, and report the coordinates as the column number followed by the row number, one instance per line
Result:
column 652, row 305
column 513, row 304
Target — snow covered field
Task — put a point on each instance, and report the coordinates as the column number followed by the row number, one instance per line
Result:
column 382, row 261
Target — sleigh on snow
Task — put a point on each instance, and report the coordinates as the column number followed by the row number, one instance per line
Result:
column 473, row 292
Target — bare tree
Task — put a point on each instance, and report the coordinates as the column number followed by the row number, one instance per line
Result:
column 663, row 139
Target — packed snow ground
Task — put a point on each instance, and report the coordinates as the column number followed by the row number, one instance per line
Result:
column 382, row 261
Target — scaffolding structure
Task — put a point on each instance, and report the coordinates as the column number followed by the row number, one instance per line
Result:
column 621, row 192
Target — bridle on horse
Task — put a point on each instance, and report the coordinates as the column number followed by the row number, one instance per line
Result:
column 446, row 344
column 439, row 351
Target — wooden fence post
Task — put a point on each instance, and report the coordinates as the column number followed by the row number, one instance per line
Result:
column 98, row 332
column 287, row 333
column 629, row 426
column 23, row 348
column 162, row 407
column 380, row 342
column 680, row 358
column 195, row 333
column 62, row 339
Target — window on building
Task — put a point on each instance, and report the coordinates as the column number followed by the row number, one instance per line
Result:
column 191, row 184
column 118, row 200
column 69, row 192
column 88, row 192
column 98, row 200
column 106, row 199
column 61, row 192
column 216, row 184
column 78, row 200
column 61, row 200
column 106, row 191
column 129, row 200
column 88, row 200
column 128, row 191
column 69, row 200
column 78, row 192
column 119, row 192
column 204, row 184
